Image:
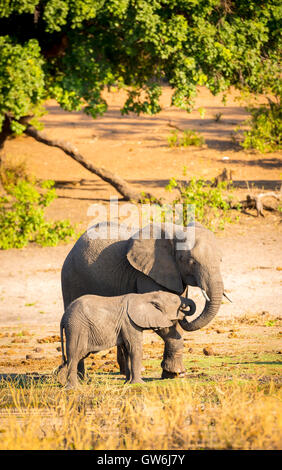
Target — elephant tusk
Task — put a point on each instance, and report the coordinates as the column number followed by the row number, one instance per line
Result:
column 205, row 295
column 225, row 295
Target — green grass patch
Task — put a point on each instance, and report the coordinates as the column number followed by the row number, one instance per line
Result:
column 185, row 138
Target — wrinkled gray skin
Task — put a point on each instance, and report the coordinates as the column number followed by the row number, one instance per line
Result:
column 113, row 267
column 93, row 323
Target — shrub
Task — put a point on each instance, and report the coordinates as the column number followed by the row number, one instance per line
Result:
column 212, row 203
column 265, row 128
column 12, row 170
column 22, row 218
column 188, row 138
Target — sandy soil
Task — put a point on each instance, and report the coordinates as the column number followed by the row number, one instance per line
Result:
column 251, row 268
column 136, row 148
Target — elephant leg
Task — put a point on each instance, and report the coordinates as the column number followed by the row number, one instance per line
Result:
column 121, row 359
column 61, row 374
column 135, row 364
column 76, row 353
column 172, row 363
column 132, row 352
column 72, row 381
column 81, row 370
column 126, row 363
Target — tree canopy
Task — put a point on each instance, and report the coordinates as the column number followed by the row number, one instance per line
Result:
column 71, row 49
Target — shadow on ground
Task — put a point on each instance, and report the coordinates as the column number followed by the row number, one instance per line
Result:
column 24, row 380
column 95, row 186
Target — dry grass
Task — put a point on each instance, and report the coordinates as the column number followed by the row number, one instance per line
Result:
column 12, row 170
column 159, row 415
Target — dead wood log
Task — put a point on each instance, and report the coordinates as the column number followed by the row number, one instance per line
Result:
column 175, row 127
column 256, row 202
column 114, row 180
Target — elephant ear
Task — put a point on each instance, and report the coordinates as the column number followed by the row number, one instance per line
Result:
column 155, row 258
column 146, row 315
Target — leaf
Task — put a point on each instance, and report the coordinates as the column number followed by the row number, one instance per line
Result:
column 202, row 112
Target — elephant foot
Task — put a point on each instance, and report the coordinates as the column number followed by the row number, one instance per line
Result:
column 123, row 372
column 61, row 374
column 84, row 379
column 70, row 386
column 136, row 381
column 173, row 375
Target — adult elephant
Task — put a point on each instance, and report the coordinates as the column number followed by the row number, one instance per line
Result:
column 116, row 263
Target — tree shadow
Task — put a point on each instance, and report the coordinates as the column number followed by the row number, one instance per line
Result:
column 87, row 198
column 262, row 363
column 223, row 145
column 241, row 184
column 74, row 184
column 23, row 380
column 118, row 376
column 115, row 126
column 92, row 186
column 266, row 163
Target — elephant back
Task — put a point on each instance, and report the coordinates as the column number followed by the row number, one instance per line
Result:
column 99, row 266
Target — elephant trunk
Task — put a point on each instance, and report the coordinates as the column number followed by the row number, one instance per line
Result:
column 215, row 293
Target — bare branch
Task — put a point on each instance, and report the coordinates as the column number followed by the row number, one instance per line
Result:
column 175, row 127
column 255, row 202
column 118, row 183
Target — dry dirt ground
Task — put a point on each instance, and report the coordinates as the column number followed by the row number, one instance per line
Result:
column 136, row 148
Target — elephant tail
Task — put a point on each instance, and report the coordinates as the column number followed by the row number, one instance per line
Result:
column 62, row 327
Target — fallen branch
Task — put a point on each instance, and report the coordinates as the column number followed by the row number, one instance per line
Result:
column 118, row 183
column 255, row 202
column 175, row 127
column 251, row 201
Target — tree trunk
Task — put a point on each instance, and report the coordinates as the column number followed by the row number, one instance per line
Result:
column 5, row 132
column 118, row 183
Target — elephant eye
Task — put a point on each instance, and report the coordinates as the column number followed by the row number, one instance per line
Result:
column 156, row 305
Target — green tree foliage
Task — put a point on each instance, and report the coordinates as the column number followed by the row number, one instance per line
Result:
column 22, row 218
column 265, row 130
column 71, row 49
column 211, row 203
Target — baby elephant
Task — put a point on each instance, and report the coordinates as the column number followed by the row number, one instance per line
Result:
column 93, row 323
